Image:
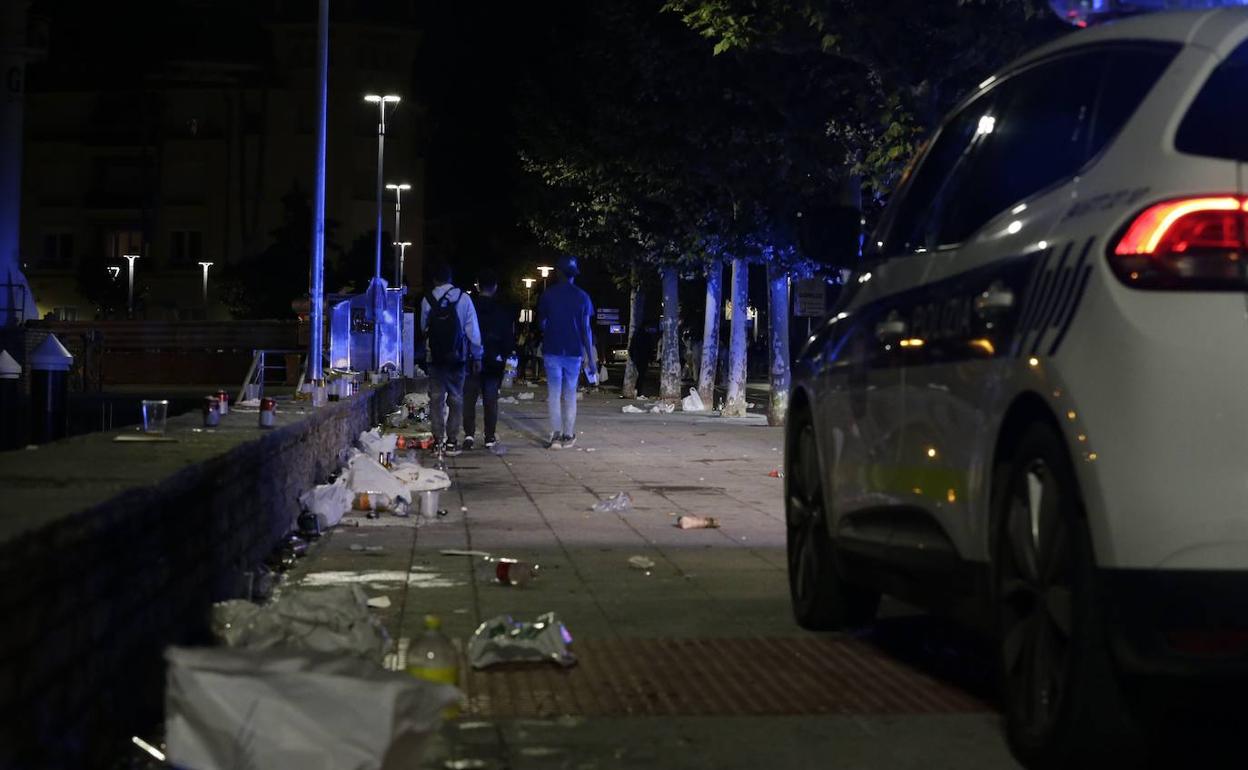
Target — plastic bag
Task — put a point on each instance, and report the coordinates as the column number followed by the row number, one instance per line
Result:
column 615, row 504
column 630, row 409
column 365, row 474
column 662, row 408
column 525, row 396
column 602, row 375
column 416, row 400
column 329, row 620
column 418, row 478
column 249, row 710
column 504, row 640
column 373, row 443
column 328, row 502
column 692, row 402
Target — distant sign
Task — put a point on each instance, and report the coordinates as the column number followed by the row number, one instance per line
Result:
column 606, row 313
column 617, row 329
column 810, row 298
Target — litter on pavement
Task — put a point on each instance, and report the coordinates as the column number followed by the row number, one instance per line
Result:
column 692, row 402
column 630, row 409
column 508, row 400
column 290, row 708
column 328, row 502
column 617, row 503
column 697, row 522
column 332, row 620
column 525, row 395
column 507, row 572
column 502, row 639
column 641, row 562
column 663, row 408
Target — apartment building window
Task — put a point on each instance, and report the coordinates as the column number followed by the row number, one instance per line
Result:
column 186, row 247
column 58, row 249
column 120, row 242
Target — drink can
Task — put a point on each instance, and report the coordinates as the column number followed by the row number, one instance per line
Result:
column 212, row 411
column 268, row 412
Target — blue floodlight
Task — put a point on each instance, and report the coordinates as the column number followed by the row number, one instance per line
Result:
column 1081, row 13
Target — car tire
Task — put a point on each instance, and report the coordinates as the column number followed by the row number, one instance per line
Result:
column 822, row 600
column 1062, row 699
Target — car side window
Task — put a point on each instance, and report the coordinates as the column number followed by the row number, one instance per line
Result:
column 1130, row 74
column 1038, row 135
column 1215, row 123
column 907, row 224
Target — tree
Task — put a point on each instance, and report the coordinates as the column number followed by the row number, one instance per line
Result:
column 710, row 330
column 734, row 403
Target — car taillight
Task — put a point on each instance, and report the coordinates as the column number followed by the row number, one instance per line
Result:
column 1198, row 244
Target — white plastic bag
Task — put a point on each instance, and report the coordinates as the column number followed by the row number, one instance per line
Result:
column 365, row 474
column 373, row 443
column 504, row 640
column 418, row 478
column 602, row 375
column 630, row 409
column 416, row 400
column 333, row 620
column 692, row 402
column 663, row 408
column 254, row 710
column 328, row 502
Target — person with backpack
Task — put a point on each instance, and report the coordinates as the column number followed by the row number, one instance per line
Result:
column 564, row 315
column 453, row 339
column 498, row 340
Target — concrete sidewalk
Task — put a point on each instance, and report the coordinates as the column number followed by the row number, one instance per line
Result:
column 696, row 662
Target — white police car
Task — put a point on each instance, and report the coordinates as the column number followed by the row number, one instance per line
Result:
column 1031, row 404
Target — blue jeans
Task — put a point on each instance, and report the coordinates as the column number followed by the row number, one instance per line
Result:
column 562, row 373
column 446, row 400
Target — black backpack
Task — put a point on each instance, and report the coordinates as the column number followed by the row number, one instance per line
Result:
column 443, row 331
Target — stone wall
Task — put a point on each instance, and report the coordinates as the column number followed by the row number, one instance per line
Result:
column 110, row 552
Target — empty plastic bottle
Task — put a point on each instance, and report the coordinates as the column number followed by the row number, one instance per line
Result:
column 432, row 657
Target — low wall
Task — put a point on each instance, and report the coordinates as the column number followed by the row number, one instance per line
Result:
column 109, row 552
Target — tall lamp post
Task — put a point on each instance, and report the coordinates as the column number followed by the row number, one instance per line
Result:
column 205, row 266
column 379, row 297
column 528, row 290
column 545, row 271
column 402, row 253
column 130, row 283
column 398, row 231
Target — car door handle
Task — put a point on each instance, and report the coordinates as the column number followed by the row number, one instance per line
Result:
column 890, row 328
column 996, row 299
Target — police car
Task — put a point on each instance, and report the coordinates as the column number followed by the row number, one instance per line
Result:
column 1031, row 403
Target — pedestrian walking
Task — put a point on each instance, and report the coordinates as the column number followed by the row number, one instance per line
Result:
column 498, row 341
column 453, row 338
column 641, row 352
column 564, row 316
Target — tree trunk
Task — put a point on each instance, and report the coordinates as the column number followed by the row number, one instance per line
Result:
column 734, row 404
column 636, row 313
column 669, row 380
column 710, row 331
column 778, row 329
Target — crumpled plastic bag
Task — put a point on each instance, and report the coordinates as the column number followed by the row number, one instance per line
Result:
column 602, row 375
column 617, row 503
column 692, row 402
column 525, row 396
column 630, row 409
column 373, row 443
column 281, row 708
column 397, row 418
column 502, row 639
column 328, row 502
column 418, row 478
column 331, row 620
column 662, row 408
column 508, row 400
column 416, row 400
column 365, row 474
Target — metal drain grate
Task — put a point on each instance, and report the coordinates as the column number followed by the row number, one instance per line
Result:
column 714, row 677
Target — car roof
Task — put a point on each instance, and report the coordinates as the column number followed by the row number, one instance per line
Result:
column 1218, row 30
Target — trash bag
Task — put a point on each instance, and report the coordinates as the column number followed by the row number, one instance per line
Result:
column 415, row 399
column 328, row 502
column 615, row 504
column 504, row 640
column 331, row 620
column 281, row 708
column 418, row 478
column 603, row 374
column 373, row 443
column 630, row 409
column 663, row 408
column 525, row 396
column 692, row 402
column 365, row 474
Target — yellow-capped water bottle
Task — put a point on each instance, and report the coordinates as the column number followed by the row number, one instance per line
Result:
column 432, row 657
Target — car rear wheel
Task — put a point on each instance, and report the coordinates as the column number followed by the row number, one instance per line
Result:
column 822, row 600
column 1062, row 699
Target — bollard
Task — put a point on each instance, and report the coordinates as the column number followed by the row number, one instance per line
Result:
column 49, row 391
column 10, row 407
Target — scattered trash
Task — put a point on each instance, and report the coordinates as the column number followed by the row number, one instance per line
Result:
column 590, row 449
column 499, row 449
column 663, row 408
column 508, row 400
column 615, row 504
column 463, row 509
column 151, row 750
column 462, row 552
column 525, row 396
column 418, row 478
column 692, row 402
column 643, row 398
column 379, row 602
column 502, row 639
column 507, row 572
column 374, row 443
column 776, row 474
column 697, row 522
column 630, row 409
column 603, row 374
column 330, row 620
column 372, row 501
column 433, row 658
column 374, row 549
column 365, row 474
column 235, row 708
column 641, row 562
column 397, row 418
column 416, row 399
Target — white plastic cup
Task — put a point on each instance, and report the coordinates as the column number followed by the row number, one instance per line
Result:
column 155, row 413
column 429, row 502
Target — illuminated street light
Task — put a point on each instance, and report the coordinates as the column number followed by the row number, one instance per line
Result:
column 130, row 283
column 398, row 230
column 545, row 271
column 402, row 252
column 379, row 298
column 205, row 266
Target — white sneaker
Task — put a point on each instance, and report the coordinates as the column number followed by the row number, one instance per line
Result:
column 555, row 442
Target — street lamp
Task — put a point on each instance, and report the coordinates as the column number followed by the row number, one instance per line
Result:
column 379, row 297
column 205, row 266
column 402, row 252
column 398, row 232
column 130, row 283
column 528, row 289
column 545, row 271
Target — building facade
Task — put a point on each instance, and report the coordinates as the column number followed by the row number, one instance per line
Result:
column 190, row 156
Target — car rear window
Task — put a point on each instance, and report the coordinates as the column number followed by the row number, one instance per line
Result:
column 1217, row 122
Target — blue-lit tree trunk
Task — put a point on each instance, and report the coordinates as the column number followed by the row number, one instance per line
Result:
column 636, row 313
column 710, row 331
column 778, row 331
column 734, row 404
column 669, row 379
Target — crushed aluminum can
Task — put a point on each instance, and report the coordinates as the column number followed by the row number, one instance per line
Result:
column 502, row 639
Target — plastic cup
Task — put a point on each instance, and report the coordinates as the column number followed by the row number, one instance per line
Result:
column 251, row 391
column 155, row 412
column 429, row 502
